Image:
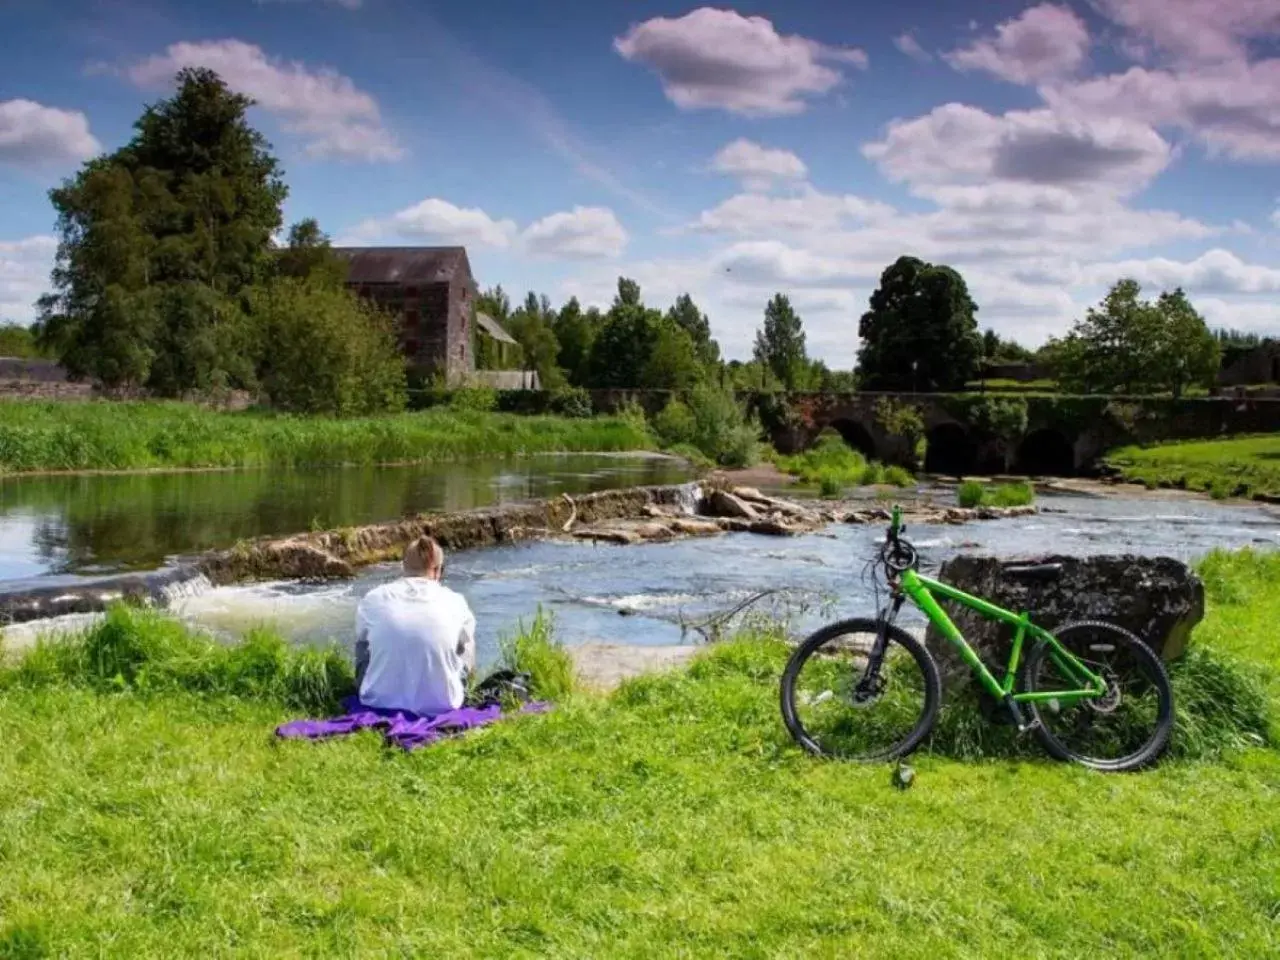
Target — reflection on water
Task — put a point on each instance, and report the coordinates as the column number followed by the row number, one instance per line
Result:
column 100, row 523
column 638, row 594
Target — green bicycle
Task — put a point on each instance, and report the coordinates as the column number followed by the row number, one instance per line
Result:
column 866, row 689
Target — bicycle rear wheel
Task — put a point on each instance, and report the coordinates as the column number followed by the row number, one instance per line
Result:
column 833, row 708
column 1126, row 728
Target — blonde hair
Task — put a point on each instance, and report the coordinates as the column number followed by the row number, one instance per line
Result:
column 423, row 557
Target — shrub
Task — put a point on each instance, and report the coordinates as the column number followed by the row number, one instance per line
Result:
column 970, row 494
column 898, row 476
column 481, row 399
column 691, row 453
column 675, row 425
column 571, row 402
column 829, row 486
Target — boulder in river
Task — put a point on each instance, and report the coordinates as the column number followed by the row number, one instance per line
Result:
column 721, row 503
column 1158, row 598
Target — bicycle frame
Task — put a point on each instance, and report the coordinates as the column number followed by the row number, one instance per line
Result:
column 920, row 590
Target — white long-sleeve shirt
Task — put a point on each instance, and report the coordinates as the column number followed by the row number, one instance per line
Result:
column 421, row 642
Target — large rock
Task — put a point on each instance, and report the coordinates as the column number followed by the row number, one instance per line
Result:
column 1157, row 598
column 722, row 504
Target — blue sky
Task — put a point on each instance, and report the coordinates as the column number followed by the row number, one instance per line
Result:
column 1044, row 149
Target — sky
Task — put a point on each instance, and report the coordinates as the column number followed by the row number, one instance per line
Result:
column 799, row 147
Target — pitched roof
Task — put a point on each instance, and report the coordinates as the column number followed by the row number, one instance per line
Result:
column 493, row 328
column 403, row 264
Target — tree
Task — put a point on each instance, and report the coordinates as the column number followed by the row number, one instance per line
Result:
column 672, row 363
column 1132, row 345
column 309, row 254
column 158, row 243
column 780, row 343
column 996, row 349
column 331, row 352
column 622, row 348
column 531, row 325
column 920, row 332
column 685, row 314
column 576, row 331
column 17, row 340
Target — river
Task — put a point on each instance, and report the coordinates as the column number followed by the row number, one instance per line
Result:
column 640, row 594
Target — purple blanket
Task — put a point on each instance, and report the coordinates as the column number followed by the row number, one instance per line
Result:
column 400, row 728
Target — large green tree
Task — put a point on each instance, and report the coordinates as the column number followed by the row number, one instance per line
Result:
column 920, row 333
column 622, row 349
column 532, row 326
column 686, row 314
column 780, row 344
column 576, row 331
column 1131, row 345
column 160, row 241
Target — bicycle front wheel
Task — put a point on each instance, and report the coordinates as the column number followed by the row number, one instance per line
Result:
column 835, row 707
column 1128, row 726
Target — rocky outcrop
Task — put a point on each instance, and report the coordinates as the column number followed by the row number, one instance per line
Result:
column 1157, row 598
column 93, row 596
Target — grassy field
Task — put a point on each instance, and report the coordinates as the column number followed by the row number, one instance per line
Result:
column 38, row 436
column 1241, row 466
column 673, row 819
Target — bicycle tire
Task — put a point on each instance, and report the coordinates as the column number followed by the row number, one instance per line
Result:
column 1158, row 740
column 811, row 645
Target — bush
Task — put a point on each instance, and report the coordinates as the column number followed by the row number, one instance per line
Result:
column 691, row 453
column 829, row 487
column 898, row 477
column 970, row 494
column 481, row 399
column 675, row 425
column 327, row 351
column 571, row 402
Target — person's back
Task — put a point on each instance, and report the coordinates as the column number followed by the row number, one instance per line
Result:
column 415, row 639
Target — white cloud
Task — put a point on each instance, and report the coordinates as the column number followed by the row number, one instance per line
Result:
column 771, row 263
column 1275, row 217
column 756, row 165
column 1260, row 317
column 908, row 44
column 440, row 222
column 583, row 233
column 756, row 213
column 1042, row 42
column 956, row 143
column 1215, row 271
column 335, row 118
column 24, row 275
column 712, row 58
column 33, row 135
column 1197, row 30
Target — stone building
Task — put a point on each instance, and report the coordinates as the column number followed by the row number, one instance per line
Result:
column 431, row 291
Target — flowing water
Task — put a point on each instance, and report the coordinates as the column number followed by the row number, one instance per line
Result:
column 77, row 526
column 644, row 594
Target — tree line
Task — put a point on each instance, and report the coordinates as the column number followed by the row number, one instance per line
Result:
column 168, row 278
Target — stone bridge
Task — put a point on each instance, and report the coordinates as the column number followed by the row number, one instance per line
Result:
column 1062, row 436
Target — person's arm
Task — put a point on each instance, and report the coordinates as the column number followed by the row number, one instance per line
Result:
column 362, row 647
column 467, row 638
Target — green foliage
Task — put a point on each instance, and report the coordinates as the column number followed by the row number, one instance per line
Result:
column 532, row 326
column 1234, row 467
column 576, row 331
column 146, row 652
column 625, row 340
column 780, row 344
column 898, row 476
column 920, row 333
column 996, row 349
column 157, row 243
column 832, row 465
column 479, row 399
column 974, row 494
column 672, row 363
column 687, row 451
column 1002, row 417
column 721, row 429
column 829, row 487
column 330, row 352
column 905, row 422
column 1134, row 346
column 675, row 425
column 131, row 436
column 534, row 650
column 686, row 315
column 570, row 402
column 17, row 340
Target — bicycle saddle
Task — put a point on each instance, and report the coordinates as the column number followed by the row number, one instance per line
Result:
column 1034, row 571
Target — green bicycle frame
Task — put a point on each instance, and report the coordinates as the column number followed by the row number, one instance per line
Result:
column 921, row 592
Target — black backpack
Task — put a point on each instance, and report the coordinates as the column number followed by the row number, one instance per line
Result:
column 501, row 688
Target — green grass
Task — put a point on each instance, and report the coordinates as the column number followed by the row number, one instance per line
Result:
column 974, row 494
column 831, row 465
column 1239, row 467
column 673, row 819
column 136, row 436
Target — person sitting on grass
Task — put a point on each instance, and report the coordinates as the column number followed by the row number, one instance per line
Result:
column 415, row 638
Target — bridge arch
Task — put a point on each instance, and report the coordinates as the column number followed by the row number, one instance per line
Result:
column 949, row 450
column 1046, row 453
column 857, row 436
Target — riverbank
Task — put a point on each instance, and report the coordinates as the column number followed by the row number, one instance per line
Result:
column 674, row 816
column 60, row 437
column 1246, row 467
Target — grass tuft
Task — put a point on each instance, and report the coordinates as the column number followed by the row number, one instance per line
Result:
column 832, row 465
column 973, row 494
column 534, row 650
